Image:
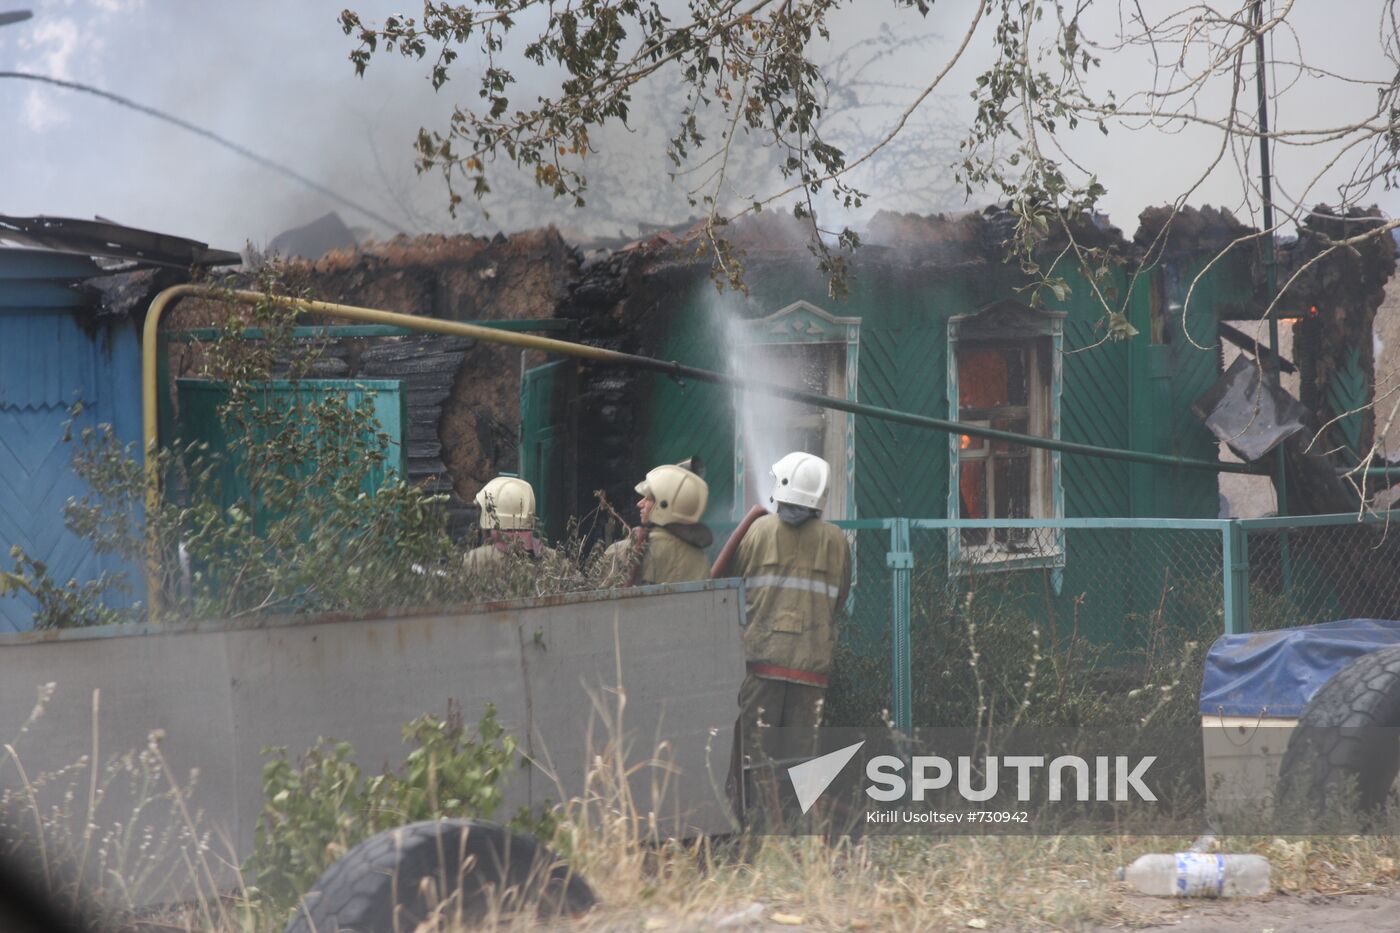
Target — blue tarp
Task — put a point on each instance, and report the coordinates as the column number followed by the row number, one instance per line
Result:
column 1276, row 673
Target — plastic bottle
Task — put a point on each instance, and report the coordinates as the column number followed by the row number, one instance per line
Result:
column 1200, row 874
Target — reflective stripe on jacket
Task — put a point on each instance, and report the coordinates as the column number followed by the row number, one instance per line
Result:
column 794, row 578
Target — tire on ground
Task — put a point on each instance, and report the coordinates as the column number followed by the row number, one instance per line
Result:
column 462, row 869
column 1344, row 756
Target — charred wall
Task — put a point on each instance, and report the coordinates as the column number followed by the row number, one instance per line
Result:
column 631, row 299
column 1336, row 293
column 619, row 302
column 463, row 396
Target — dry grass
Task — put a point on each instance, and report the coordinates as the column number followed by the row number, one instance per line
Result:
column 740, row 882
column 895, row 882
column 899, row 884
column 924, row 883
column 883, row 883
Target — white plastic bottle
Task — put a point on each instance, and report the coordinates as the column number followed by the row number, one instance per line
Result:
column 1200, row 874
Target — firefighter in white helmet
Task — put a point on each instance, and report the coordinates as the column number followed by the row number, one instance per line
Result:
column 797, row 574
column 507, row 518
column 668, row 544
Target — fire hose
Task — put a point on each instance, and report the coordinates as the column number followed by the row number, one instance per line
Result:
column 726, row 554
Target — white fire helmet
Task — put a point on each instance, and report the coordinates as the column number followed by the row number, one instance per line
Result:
column 507, row 503
column 800, row 479
column 680, row 495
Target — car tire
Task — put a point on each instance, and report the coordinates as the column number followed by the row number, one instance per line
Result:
column 1344, row 754
column 463, row 869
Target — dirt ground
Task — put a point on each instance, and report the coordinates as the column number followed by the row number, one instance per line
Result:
column 1312, row 913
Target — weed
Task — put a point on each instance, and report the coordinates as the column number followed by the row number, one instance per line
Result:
column 316, row 808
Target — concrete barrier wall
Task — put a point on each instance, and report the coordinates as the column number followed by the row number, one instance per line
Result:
column 558, row 669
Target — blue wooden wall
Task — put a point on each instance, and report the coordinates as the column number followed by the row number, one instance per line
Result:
column 55, row 351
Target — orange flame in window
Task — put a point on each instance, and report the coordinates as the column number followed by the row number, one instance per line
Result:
column 965, row 442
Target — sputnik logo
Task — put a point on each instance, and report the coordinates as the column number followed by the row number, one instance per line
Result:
column 811, row 778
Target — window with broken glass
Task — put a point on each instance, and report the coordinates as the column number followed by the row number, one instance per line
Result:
column 1005, row 375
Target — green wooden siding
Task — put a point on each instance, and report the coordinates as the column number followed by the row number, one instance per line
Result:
column 1165, row 376
column 691, row 418
column 200, row 401
column 1093, row 410
column 1192, row 366
column 1347, row 394
column 1132, row 394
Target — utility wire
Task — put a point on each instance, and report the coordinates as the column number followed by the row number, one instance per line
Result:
column 210, row 135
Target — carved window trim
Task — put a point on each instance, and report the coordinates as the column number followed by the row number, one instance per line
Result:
column 1041, row 334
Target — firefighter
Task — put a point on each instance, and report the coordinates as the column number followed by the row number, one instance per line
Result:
column 507, row 519
column 668, row 545
column 797, row 574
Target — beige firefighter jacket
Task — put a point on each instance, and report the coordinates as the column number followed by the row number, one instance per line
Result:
column 491, row 557
column 665, row 559
column 796, row 579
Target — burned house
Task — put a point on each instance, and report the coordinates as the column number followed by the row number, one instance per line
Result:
column 935, row 324
column 460, row 400
column 935, row 313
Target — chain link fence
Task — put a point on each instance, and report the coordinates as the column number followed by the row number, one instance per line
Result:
column 1301, row 573
column 1111, row 595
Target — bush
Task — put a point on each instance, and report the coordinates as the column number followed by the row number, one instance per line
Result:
column 319, row 807
column 983, row 655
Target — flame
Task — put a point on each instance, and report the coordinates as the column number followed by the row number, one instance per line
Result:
column 1312, row 311
column 965, row 442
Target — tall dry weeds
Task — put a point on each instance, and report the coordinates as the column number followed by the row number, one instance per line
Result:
column 613, row 833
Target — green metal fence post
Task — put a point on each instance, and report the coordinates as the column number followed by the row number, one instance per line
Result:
column 1234, row 560
column 900, row 560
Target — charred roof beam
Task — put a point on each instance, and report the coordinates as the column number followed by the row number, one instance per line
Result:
column 1247, row 343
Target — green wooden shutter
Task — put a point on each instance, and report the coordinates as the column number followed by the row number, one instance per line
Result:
column 201, row 399
column 546, row 454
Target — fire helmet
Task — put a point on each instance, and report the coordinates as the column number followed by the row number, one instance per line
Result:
column 800, row 479
column 507, row 503
column 680, row 495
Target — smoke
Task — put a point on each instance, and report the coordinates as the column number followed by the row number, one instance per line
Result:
column 212, row 137
column 274, row 78
column 263, row 77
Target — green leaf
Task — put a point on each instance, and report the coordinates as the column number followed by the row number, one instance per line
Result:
column 1118, row 326
column 11, row 584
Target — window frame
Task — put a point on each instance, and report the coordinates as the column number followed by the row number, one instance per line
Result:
column 1041, row 333
column 804, row 324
